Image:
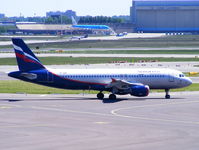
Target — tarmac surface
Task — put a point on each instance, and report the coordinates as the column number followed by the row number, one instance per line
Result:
column 74, row 122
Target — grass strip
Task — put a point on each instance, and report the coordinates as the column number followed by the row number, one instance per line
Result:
column 15, row 86
column 138, row 42
column 167, row 41
column 95, row 60
column 187, row 74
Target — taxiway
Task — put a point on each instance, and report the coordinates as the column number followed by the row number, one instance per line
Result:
column 82, row 122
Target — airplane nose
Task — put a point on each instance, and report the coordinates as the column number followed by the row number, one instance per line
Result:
column 188, row 81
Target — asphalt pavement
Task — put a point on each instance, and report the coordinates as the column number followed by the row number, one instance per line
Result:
column 74, row 122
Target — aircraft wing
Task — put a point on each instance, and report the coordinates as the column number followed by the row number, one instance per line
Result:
column 121, row 84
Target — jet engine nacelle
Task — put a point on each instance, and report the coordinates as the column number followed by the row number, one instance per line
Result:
column 140, row 90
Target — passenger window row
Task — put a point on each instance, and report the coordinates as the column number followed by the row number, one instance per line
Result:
column 114, row 76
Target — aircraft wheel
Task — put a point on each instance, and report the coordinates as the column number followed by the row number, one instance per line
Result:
column 100, row 95
column 167, row 96
column 112, row 97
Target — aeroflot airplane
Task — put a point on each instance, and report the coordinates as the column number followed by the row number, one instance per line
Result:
column 136, row 82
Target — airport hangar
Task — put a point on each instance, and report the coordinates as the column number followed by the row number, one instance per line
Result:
column 166, row 16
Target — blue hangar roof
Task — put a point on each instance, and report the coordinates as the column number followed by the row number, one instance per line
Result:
column 166, row 2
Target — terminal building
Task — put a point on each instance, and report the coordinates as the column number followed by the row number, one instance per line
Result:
column 165, row 16
column 68, row 13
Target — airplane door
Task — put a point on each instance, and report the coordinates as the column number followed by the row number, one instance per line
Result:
column 45, row 77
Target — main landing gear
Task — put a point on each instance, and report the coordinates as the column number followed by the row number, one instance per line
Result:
column 111, row 96
column 167, row 96
column 100, row 95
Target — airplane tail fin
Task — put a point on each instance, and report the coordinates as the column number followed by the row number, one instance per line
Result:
column 74, row 22
column 86, row 36
column 26, row 59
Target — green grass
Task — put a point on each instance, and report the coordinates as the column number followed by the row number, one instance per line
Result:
column 189, row 75
column 167, row 41
column 193, row 87
column 13, row 86
column 94, row 60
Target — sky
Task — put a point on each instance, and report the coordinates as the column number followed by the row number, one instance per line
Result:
column 82, row 7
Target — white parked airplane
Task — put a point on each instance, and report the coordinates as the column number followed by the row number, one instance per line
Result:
column 79, row 37
column 136, row 82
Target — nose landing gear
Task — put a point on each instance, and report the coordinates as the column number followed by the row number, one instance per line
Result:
column 167, row 96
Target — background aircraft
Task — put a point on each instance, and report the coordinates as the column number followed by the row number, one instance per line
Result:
column 79, row 37
column 136, row 82
column 89, row 27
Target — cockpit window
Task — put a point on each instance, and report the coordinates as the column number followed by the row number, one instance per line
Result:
column 181, row 75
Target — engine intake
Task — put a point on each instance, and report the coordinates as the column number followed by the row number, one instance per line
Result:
column 140, row 90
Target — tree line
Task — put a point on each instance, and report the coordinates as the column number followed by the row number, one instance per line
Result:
column 99, row 19
column 45, row 20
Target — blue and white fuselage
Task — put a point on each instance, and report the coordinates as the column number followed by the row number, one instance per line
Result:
column 92, row 27
column 136, row 82
column 166, row 78
column 89, row 27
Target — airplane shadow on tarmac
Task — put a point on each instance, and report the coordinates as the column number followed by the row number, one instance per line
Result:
column 11, row 100
column 134, row 99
